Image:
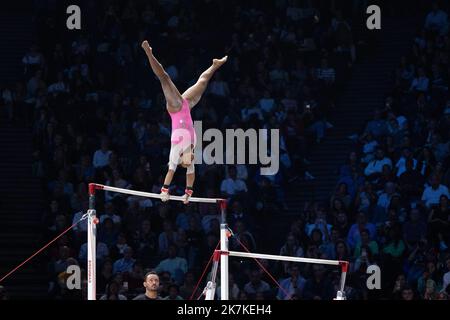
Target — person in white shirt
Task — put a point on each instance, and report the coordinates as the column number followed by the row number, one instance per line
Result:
column 126, row 263
column 293, row 285
column 59, row 86
column 369, row 147
column 256, row 285
column 446, row 277
column 101, row 252
column 431, row 195
column 33, row 59
column 102, row 156
column 376, row 165
column 320, row 223
column 175, row 265
column 231, row 186
column 112, row 292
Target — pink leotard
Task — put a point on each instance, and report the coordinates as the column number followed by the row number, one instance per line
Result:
column 183, row 120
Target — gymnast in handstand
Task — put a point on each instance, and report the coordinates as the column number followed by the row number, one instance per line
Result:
column 183, row 138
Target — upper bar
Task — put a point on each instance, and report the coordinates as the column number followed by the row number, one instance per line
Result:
column 154, row 195
column 283, row 258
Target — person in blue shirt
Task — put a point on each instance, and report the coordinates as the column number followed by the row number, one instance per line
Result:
column 126, row 263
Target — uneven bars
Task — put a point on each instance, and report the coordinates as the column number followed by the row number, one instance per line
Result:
column 154, row 195
column 283, row 258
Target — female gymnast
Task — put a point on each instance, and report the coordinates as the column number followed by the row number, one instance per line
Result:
column 183, row 138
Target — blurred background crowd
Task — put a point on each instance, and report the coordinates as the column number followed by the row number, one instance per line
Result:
column 98, row 115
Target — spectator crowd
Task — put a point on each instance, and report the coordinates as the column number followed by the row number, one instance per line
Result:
column 98, row 115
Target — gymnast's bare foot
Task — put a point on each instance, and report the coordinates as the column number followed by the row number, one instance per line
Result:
column 217, row 63
column 146, row 46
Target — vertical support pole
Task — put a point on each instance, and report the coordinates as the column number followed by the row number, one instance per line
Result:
column 91, row 244
column 224, row 251
column 344, row 268
column 211, row 285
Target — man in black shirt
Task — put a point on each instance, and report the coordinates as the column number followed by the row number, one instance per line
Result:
column 411, row 181
column 151, row 284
